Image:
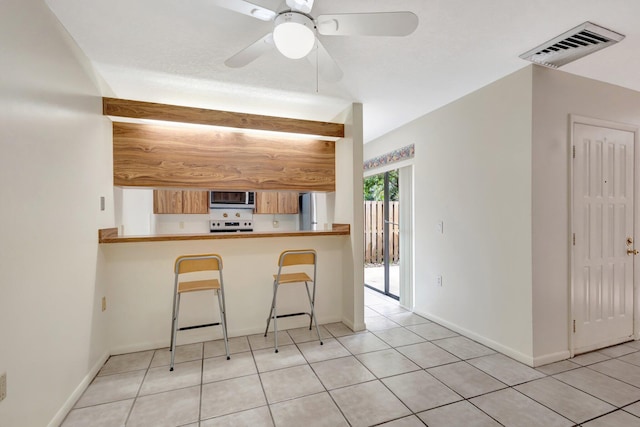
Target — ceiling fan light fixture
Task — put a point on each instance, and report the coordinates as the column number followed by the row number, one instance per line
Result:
column 294, row 34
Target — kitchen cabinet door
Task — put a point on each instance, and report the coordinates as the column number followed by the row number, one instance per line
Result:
column 195, row 202
column 287, row 203
column 266, row 202
column 276, row 202
column 167, row 201
column 180, row 202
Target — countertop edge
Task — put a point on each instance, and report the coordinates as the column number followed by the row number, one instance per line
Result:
column 110, row 235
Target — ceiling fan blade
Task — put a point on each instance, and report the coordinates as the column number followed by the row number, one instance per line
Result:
column 303, row 6
column 251, row 52
column 246, row 8
column 328, row 69
column 368, row 24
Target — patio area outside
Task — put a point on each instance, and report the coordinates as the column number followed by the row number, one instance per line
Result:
column 374, row 277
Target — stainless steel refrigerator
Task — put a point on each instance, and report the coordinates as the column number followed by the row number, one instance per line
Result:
column 308, row 211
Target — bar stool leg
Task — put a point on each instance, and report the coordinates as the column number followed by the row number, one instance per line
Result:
column 223, row 320
column 173, row 319
column 174, row 331
column 275, row 315
column 313, row 313
column 273, row 303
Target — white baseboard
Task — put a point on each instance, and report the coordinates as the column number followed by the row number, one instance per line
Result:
column 355, row 327
column 550, row 358
column 73, row 398
column 202, row 335
column 508, row 351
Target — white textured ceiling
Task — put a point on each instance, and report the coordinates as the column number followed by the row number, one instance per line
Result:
column 173, row 51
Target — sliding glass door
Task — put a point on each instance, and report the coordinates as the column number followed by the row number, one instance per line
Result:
column 382, row 233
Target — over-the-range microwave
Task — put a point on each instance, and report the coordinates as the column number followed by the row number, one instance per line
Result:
column 232, row 199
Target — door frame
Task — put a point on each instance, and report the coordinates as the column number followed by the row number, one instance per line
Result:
column 577, row 119
column 407, row 217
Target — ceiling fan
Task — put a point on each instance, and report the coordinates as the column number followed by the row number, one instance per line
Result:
column 295, row 32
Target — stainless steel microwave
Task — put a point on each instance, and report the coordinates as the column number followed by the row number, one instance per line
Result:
column 232, row 199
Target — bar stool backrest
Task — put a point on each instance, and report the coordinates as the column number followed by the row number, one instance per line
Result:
column 298, row 257
column 193, row 263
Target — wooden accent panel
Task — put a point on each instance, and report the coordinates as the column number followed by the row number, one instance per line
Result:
column 175, row 113
column 177, row 157
column 195, row 202
column 107, row 233
column 167, row 202
column 341, row 227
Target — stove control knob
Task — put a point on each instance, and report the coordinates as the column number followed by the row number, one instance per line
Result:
column 224, row 215
column 237, row 214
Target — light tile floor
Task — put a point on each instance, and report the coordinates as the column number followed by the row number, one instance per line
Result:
column 404, row 371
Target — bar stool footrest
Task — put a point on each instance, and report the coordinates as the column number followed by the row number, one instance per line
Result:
column 206, row 325
column 292, row 314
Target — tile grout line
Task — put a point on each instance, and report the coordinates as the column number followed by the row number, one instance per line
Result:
column 264, row 392
column 320, row 381
column 201, row 385
column 135, row 399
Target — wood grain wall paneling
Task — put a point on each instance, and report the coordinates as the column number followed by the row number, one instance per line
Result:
column 174, row 113
column 181, row 157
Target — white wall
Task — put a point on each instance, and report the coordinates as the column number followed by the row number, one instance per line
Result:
column 472, row 170
column 136, row 207
column 55, row 165
column 556, row 95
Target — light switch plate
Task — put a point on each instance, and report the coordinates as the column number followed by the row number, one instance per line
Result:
column 440, row 227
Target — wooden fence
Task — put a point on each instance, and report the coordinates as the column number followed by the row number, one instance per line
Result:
column 374, row 232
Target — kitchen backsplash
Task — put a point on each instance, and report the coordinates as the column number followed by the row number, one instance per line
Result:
column 270, row 222
column 134, row 215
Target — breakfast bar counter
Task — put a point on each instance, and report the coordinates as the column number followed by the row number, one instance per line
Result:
column 110, row 235
column 139, row 274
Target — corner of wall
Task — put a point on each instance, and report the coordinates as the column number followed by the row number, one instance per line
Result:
column 349, row 205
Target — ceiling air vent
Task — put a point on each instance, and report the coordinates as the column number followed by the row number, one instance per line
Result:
column 574, row 44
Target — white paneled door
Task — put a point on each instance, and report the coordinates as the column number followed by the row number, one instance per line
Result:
column 603, row 233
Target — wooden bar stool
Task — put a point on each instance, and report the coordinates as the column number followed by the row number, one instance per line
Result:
column 191, row 264
column 292, row 258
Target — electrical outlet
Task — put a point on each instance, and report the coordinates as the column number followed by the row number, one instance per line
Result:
column 439, row 281
column 440, row 227
column 104, row 303
column 181, row 225
column 3, row 386
column 276, row 224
